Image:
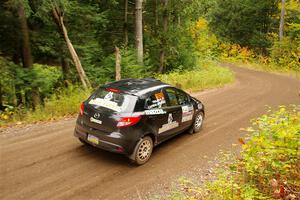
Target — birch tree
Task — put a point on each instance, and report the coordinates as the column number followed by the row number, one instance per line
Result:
column 281, row 25
column 139, row 31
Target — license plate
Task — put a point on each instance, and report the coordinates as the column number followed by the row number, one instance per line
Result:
column 93, row 139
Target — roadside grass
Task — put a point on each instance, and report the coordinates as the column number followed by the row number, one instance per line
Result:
column 66, row 102
column 61, row 104
column 208, row 75
column 267, row 167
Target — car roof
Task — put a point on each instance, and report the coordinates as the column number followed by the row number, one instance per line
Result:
column 137, row 86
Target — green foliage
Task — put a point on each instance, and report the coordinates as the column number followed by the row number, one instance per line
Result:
column 268, row 167
column 275, row 144
column 181, row 51
column 206, row 75
column 7, row 81
column 64, row 102
column 20, row 81
column 206, row 43
column 286, row 54
column 241, row 21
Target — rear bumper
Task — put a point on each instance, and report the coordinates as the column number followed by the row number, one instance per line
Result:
column 113, row 142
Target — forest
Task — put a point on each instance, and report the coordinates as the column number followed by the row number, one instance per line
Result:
column 54, row 52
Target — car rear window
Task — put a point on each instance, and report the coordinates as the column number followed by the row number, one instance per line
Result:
column 112, row 100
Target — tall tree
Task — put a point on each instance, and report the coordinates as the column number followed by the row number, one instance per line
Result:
column 281, row 25
column 118, row 63
column 58, row 16
column 26, row 50
column 125, row 23
column 163, row 42
column 139, row 31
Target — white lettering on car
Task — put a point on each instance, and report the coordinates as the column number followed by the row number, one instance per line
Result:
column 155, row 112
column 170, row 125
column 157, row 103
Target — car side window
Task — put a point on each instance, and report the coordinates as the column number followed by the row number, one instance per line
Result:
column 172, row 96
column 183, row 99
column 155, row 100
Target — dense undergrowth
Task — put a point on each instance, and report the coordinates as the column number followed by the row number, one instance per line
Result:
column 61, row 104
column 65, row 102
column 268, row 166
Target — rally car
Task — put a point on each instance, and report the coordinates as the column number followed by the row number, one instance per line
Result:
column 132, row 116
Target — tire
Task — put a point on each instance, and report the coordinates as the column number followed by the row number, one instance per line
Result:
column 198, row 123
column 142, row 151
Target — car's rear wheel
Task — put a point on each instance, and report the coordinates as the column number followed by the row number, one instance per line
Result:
column 198, row 123
column 143, row 151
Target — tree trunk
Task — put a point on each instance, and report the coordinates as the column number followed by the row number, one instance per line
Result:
column 139, row 30
column 118, row 64
column 26, row 50
column 126, row 23
column 1, row 96
column 163, row 42
column 281, row 25
column 26, row 53
column 178, row 20
column 60, row 22
column 156, row 14
column 66, row 71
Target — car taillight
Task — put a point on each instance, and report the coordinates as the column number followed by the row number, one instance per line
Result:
column 81, row 108
column 128, row 121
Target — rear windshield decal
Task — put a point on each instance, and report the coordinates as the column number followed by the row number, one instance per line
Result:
column 106, row 103
column 109, row 96
column 170, row 125
column 187, row 113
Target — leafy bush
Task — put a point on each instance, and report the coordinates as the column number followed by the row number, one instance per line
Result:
column 7, row 88
column 286, row 54
column 268, row 166
column 206, row 43
column 20, row 81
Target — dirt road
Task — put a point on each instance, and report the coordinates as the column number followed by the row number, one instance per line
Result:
column 45, row 161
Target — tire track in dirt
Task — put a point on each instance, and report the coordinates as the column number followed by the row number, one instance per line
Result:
column 44, row 161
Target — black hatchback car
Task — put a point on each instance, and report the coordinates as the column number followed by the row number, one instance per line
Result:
column 132, row 116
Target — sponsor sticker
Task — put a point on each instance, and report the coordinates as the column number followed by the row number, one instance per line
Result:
column 155, row 112
column 170, row 125
column 159, row 95
column 187, row 113
column 157, row 103
column 92, row 119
